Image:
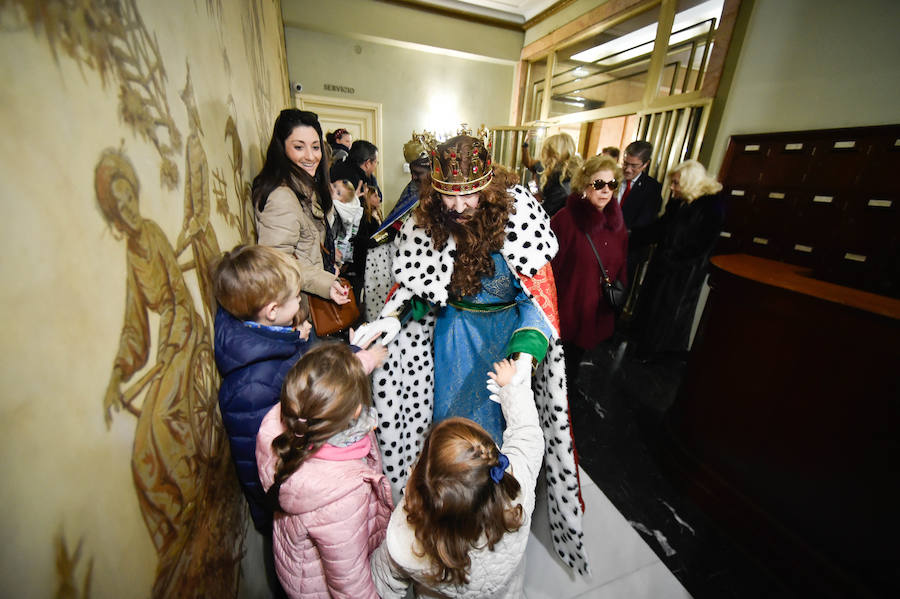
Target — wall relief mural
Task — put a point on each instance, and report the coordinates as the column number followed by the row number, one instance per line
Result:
column 109, row 37
column 266, row 105
column 196, row 230
column 243, row 219
column 180, row 462
column 68, row 584
column 163, row 373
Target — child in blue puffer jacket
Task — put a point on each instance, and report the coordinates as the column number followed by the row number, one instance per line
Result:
column 256, row 344
column 260, row 332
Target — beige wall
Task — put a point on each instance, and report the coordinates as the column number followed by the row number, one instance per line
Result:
column 371, row 47
column 391, row 22
column 107, row 93
column 814, row 64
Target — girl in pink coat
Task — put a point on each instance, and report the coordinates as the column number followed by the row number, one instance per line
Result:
column 320, row 465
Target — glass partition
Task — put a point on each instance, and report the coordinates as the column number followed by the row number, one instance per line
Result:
column 610, row 68
column 534, row 90
column 605, row 69
column 689, row 46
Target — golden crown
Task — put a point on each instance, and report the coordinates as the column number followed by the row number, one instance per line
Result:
column 460, row 165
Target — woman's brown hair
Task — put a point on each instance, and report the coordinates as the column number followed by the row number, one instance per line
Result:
column 373, row 213
column 279, row 170
column 476, row 239
column 451, row 499
column 320, row 398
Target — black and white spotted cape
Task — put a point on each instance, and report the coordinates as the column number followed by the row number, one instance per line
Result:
column 378, row 279
column 403, row 386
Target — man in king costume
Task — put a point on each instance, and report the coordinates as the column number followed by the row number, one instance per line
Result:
column 473, row 286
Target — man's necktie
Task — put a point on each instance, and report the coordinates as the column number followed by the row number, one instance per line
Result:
column 627, row 191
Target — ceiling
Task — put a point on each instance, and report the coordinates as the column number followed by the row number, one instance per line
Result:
column 512, row 11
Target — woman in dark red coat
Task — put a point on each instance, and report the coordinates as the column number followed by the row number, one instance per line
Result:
column 585, row 317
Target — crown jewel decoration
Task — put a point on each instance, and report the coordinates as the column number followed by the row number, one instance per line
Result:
column 462, row 164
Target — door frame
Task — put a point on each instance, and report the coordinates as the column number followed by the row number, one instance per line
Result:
column 362, row 119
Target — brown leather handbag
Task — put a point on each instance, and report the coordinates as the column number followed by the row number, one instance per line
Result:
column 328, row 317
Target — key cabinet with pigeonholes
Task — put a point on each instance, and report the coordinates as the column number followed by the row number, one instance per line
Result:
column 825, row 199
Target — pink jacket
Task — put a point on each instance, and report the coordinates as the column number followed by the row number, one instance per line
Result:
column 337, row 506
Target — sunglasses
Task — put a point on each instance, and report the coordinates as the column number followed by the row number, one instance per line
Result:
column 600, row 183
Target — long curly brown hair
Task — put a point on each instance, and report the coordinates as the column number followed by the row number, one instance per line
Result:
column 477, row 238
column 451, row 499
column 319, row 399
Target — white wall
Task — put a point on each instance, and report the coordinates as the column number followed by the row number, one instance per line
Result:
column 392, row 22
column 418, row 87
column 814, row 64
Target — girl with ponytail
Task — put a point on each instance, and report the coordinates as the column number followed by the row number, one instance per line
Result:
column 321, row 469
column 463, row 523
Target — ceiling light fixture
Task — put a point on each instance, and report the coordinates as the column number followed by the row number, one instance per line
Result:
column 629, row 45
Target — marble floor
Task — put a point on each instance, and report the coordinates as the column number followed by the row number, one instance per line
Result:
column 623, row 565
column 645, row 537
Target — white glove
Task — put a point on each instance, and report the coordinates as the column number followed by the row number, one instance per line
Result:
column 521, row 377
column 523, row 370
column 494, row 390
column 389, row 325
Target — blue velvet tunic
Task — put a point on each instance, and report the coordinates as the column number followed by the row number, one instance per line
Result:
column 471, row 335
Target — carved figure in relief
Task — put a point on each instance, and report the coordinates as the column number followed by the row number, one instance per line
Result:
column 243, row 220
column 187, row 495
column 196, row 229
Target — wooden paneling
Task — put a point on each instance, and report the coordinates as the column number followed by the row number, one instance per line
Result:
column 785, row 427
column 825, row 199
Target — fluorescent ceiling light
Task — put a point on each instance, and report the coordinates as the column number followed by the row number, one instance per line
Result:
column 634, row 40
column 570, row 101
column 514, row 11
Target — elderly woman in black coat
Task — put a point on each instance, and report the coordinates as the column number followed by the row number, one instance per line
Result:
column 685, row 236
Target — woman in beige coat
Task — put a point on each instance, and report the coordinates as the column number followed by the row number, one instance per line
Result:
column 292, row 196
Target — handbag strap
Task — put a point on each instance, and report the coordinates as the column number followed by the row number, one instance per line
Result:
column 596, row 255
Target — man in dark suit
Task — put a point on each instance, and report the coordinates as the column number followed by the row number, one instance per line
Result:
column 640, row 198
column 359, row 165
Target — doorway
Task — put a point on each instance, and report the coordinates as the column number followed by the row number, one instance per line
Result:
column 361, row 119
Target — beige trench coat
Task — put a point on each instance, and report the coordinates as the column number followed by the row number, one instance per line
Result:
column 296, row 228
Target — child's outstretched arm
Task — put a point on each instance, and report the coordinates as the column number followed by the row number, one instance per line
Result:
column 515, row 396
column 501, row 376
column 523, row 440
column 371, row 356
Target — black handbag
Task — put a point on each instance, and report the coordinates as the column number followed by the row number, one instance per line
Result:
column 614, row 292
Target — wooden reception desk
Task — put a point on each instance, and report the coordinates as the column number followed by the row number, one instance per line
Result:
column 786, row 427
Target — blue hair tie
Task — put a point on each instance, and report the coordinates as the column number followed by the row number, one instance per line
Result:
column 497, row 471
